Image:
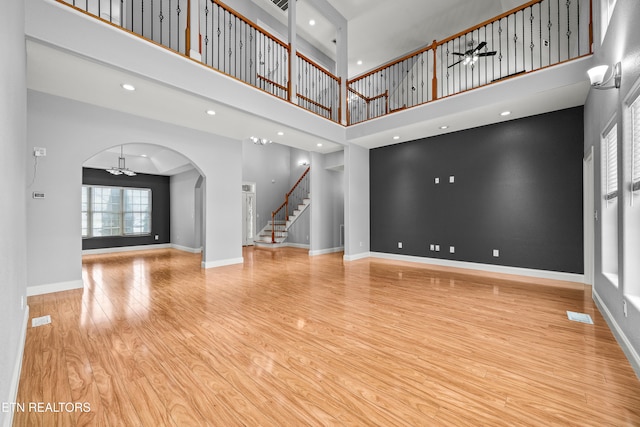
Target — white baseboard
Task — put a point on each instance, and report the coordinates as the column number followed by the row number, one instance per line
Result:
column 356, row 257
column 326, row 251
column 186, row 249
column 222, row 263
column 625, row 344
column 54, row 287
column 15, row 377
column 297, row 245
column 126, row 249
column 540, row 274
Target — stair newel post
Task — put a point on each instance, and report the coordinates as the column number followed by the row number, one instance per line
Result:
column 273, row 227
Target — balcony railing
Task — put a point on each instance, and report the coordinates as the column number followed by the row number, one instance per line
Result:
column 237, row 47
column 162, row 21
column 535, row 35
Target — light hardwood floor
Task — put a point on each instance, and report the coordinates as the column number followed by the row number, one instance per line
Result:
column 288, row 340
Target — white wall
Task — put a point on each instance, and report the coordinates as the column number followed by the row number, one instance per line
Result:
column 13, row 175
column 268, row 167
column 357, row 224
column 72, row 132
column 621, row 43
column 327, row 204
column 183, row 194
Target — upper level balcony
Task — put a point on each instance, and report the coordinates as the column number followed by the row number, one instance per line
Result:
column 206, row 52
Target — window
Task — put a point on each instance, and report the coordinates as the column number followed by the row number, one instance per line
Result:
column 607, row 7
column 609, row 222
column 115, row 211
column 610, row 164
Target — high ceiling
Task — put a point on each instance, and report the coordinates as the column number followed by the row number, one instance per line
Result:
column 382, row 30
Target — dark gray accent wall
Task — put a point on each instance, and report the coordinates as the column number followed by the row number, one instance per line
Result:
column 160, row 205
column 517, row 188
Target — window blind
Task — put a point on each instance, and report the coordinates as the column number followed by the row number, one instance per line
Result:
column 610, row 164
column 635, row 147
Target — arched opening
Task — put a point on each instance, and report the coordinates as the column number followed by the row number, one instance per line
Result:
column 142, row 196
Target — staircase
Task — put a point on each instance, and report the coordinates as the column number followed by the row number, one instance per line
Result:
column 296, row 201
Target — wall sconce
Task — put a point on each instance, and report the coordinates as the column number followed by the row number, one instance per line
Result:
column 304, row 163
column 596, row 75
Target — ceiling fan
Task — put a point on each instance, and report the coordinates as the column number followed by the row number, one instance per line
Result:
column 472, row 55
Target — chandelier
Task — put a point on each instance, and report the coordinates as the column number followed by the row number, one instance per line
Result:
column 121, row 169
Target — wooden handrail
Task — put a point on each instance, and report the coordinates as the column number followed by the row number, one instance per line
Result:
column 311, row 101
column 285, row 205
column 324, row 70
column 279, row 86
column 489, row 21
column 389, row 64
column 249, row 23
column 299, row 181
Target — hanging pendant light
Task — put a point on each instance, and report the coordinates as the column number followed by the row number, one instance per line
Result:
column 121, row 169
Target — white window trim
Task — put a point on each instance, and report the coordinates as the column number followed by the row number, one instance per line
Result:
column 122, row 212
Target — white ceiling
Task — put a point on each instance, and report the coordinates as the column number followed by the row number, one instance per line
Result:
column 142, row 158
column 383, row 30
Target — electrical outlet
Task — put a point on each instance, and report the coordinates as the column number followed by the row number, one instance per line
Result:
column 437, row 180
column 437, row 248
column 38, row 195
column 157, row 237
column 496, row 253
column 452, row 249
column 624, row 307
column 452, row 179
column 39, row 152
column 432, row 247
column 399, row 245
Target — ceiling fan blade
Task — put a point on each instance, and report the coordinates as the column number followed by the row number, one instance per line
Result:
column 455, row 63
column 480, row 46
column 487, row 53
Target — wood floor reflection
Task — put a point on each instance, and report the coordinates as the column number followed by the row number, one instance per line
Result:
column 289, row 340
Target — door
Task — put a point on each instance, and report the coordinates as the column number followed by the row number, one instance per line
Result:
column 248, row 218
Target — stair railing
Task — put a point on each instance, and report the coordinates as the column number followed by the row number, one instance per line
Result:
column 292, row 199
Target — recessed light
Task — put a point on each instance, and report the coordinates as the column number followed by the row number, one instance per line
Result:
column 143, row 155
column 359, row 62
column 319, row 144
column 444, row 127
column 505, row 113
column 312, row 22
column 127, row 86
column 396, row 137
column 211, row 112
column 280, row 133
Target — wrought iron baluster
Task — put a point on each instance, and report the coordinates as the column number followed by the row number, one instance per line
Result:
column 568, row 3
column 559, row 37
column 178, row 32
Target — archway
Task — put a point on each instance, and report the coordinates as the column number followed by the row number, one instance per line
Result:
column 141, row 196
